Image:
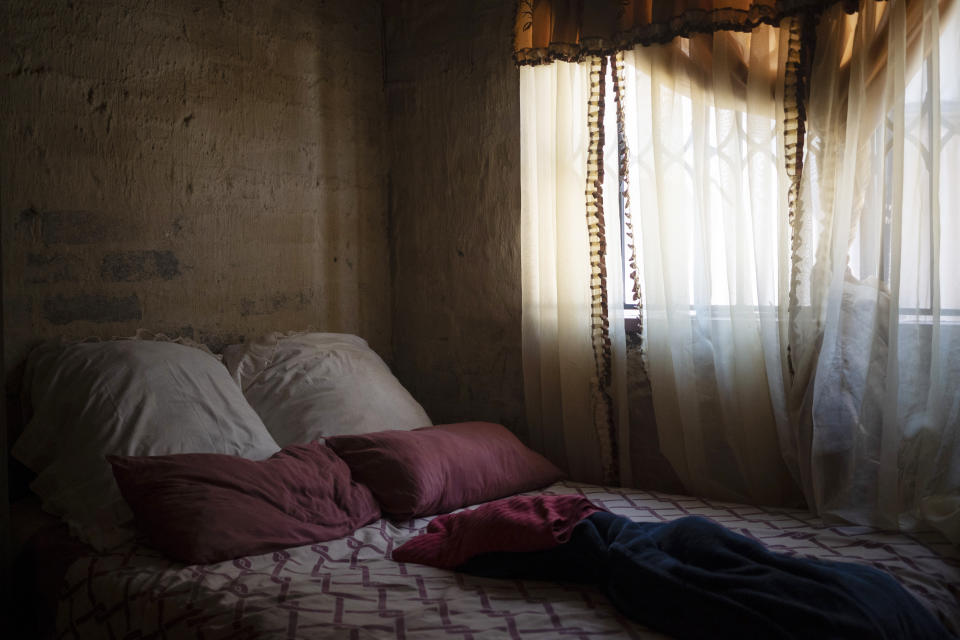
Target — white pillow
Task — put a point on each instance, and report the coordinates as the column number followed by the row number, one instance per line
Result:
column 125, row 397
column 312, row 385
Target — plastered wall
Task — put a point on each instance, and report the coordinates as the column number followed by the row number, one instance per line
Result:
column 208, row 169
column 453, row 104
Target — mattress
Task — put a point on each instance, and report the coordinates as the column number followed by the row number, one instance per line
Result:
column 350, row 588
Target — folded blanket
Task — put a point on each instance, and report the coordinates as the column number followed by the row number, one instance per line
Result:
column 521, row 523
column 691, row 577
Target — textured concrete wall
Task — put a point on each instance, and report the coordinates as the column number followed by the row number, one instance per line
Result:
column 452, row 99
column 209, row 169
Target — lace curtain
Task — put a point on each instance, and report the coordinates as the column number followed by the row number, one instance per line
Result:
column 708, row 192
column 560, row 127
column 875, row 330
column 800, row 327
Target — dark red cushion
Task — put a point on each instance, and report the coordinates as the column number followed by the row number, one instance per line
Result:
column 438, row 469
column 205, row 507
column 521, row 523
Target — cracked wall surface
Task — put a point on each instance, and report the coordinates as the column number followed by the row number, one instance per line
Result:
column 206, row 169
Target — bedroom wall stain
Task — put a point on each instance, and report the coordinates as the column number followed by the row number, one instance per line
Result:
column 61, row 310
column 71, row 228
column 186, row 166
column 135, row 266
column 265, row 305
column 454, row 118
column 51, row 267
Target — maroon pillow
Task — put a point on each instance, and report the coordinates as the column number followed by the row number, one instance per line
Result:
column 437, row 469
column 207, row 507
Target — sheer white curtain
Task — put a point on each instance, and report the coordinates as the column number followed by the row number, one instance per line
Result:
column 876, row 334
column 558, row 358
column 708, row 191
column 815, row 355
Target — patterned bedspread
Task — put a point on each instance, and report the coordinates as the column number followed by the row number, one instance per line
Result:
column 349, row 588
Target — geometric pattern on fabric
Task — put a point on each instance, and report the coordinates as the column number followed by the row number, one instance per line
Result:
column 350, row 588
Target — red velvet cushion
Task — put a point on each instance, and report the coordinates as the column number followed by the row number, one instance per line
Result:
column 205, row 507
column 437, row 469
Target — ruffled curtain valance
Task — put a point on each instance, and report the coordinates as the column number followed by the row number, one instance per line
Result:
column 569, row 30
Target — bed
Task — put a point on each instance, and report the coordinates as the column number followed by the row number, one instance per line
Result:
column 349, row 586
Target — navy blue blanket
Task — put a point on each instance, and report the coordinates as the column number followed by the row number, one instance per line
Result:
column 692, row 578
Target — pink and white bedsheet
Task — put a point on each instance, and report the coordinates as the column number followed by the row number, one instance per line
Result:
column 349, row 588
